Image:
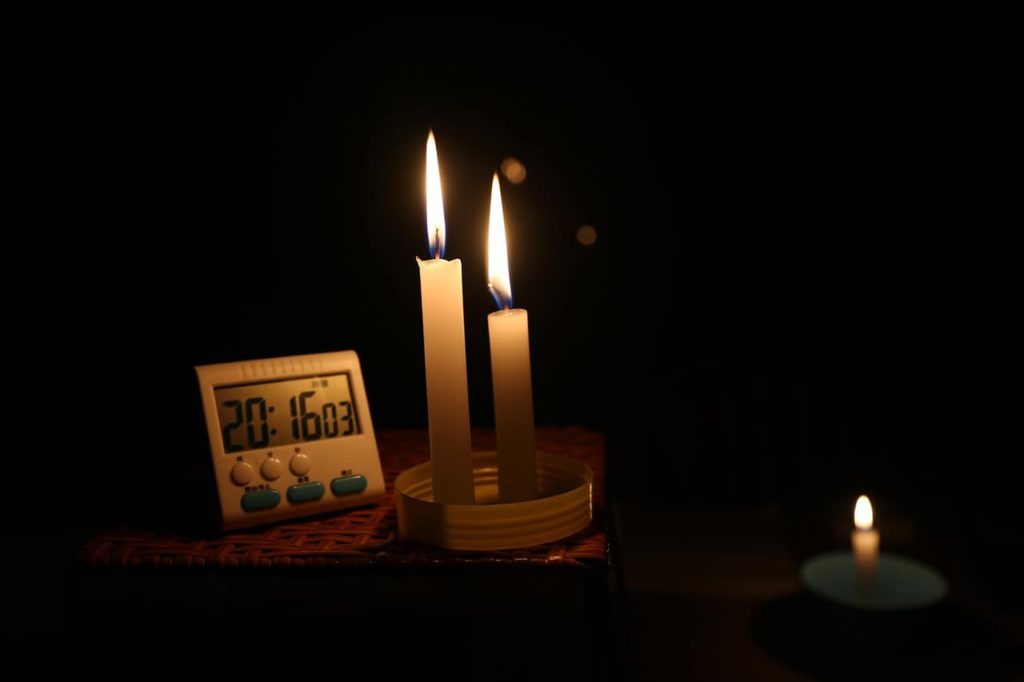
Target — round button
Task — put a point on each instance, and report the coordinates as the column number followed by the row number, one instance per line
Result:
column 300, row 465
column 271, row 469
column 241, row 474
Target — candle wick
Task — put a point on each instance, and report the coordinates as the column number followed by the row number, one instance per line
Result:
column 501, row 301
column 437, row 243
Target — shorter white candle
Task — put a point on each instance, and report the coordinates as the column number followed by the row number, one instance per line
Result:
column 865, row 542
column 510, row 370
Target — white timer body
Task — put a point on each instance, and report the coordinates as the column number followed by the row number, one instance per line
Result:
column 290, row 437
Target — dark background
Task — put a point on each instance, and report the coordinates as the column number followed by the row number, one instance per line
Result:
column 804, row 284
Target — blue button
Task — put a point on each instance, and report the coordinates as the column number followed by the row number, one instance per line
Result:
column 261, row 499
column 348, row 485
column 304, row 492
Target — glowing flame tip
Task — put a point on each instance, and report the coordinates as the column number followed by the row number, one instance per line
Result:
column 497, row 251
column 863, row 515
column 435, row 203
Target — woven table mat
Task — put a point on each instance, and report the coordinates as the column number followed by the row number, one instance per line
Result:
column 365, row 536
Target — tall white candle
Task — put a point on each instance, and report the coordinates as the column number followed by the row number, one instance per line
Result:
column 510, row 370
column 444, row 348
column 865, row 543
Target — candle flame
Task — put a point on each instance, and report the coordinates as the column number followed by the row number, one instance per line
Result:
column 863, row 516
column 497, row 251
column 435, row 204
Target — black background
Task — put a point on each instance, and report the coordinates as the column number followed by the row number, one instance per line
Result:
column 804, row 285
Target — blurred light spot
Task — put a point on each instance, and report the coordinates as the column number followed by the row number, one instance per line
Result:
column 513, row 170
column 586, row 235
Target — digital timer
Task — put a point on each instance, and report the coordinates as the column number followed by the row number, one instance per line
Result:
column 290, row 437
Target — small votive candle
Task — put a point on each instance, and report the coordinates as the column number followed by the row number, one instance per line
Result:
column 865, row 543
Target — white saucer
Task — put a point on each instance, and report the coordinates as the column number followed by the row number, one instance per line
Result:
column 902, row 583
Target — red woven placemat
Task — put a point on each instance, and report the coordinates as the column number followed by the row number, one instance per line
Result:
column 366, row 536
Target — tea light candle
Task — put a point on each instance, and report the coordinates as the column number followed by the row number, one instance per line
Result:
column 444, row 349
column 864, row 579
column 865, row 542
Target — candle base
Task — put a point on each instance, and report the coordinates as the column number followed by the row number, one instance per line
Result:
column 562, row 508
column 899, row 583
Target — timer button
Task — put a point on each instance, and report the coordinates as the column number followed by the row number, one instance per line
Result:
column 348, row 485
column 271, row 469
column 261, row 499
column 300, row 465
column 241, row 474
column 305, row 492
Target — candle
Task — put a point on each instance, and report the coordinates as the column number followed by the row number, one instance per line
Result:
column 510, row 370
column 865, row 546
column 444, row 349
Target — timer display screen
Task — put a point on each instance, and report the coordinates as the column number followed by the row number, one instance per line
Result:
column 276, row 413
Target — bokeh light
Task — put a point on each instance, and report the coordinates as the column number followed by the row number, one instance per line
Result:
column 586, row 235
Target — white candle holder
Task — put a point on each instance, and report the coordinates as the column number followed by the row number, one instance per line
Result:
column 563, row 507
column 899, row 584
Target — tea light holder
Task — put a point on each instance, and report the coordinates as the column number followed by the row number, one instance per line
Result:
column 564, row 506
column 900, row 583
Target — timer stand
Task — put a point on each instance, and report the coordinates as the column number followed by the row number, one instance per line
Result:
column 563, row 506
